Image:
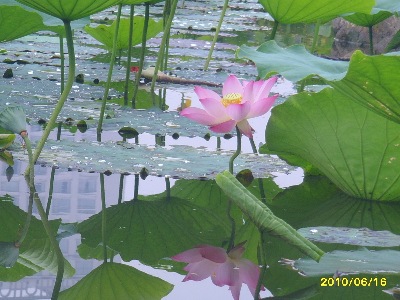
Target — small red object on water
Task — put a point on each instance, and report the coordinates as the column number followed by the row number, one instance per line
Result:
column 134, row 69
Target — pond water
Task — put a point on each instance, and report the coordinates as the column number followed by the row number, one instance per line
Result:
column 179, row 205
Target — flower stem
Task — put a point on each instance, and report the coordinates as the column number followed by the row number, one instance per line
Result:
column 238, row 149
column 316, row 35
column 371, row 42
column 46, row 224
column 274, row 29
column 162, row 45
column 110, row 70
column 64, row 95
column 103, row 217
column 221, row 19
column 142, row 53
column 128, row 63
column 263, row 268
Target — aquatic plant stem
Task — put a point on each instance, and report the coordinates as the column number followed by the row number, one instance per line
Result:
column 260, row 182
column 274, row 29
column 62, row 57
column 142, row 53
column 238, row 149
column 371, row 42
column 221, row 19
column 103, row 217
column 162, row 45
column 46, row 224
column 53, row 170
column 64, row 95
column 25, row 229
column 110, row 70
column 263, row 264
column 128, row 62
column 316, row 35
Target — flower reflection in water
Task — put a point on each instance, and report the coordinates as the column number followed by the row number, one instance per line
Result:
column 224, row 268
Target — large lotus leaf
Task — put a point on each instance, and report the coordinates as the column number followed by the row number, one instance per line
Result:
column 36, row 253
column 373, row 82
column 294, row 63
column 117, row 281
column 69, row 10
column 350, row 262
column 6, row 140
column 170, row 227
column 105, row 34
column 367, row 20
column 308, row 11
column 16, row 22
column 356, row 148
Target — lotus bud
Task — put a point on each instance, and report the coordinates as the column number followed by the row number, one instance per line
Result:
column 13, row 118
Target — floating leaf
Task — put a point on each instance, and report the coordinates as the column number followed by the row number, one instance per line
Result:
column 262, row 217
column 309, row 11
column 121, row 157
column 351, row 236
column 69, row 10
column 128, row 132
column 16, row 22
column 372, row 82
column 350, row 262
column 105, row 33
column 294, row 63
column 117, row 281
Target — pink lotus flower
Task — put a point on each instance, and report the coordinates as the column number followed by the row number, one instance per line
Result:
column 239, row 102
column 224, row 268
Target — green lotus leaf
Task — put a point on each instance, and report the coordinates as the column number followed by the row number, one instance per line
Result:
column 353, row 146
column 308, row 11
column 105, row 34
column 262, row 216
column 367, row 20
column 69, row 10
column 372, row 81
column 394, row 43
column 36, row 253
column 352, row 262
column 8, row 254
column 294, row 63
column 163, row 220
column 16, row 22
column 117, row 281
column 6, row 140
column 7, row 157
column 13, row 118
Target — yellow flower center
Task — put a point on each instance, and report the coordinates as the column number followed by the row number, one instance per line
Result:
column 232, row 98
